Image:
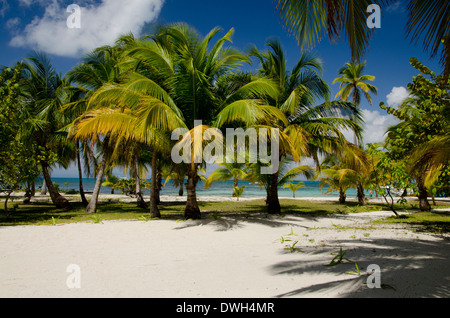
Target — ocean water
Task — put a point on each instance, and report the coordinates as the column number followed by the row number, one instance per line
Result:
column 311, row 189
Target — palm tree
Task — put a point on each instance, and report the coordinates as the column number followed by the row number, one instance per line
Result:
column 44, row 92
column 237, row 192
column 228, row 171
column 98, row 68
column 285, row 176
column 294, row 187
column 309, row 21
column 176, row 173
column 142, row 123
column 340, row 174
column 197, row 66
column 74, row 107
column 432, row 19
column 353, row 84
column 186, row 71
column 304, row 129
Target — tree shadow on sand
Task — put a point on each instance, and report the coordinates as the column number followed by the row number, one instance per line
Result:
column 410, row 268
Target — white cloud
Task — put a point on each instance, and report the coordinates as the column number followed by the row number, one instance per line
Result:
column 397, row 96
column 101, row 24
column 4, row 6
column 12, row 24
column 376, row 126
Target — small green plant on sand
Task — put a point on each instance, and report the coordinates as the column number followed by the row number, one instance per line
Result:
column 292, row 248
column 96, row 219
column 339, row 258
column 145, row 218
column 292, row 232
column 357, row 273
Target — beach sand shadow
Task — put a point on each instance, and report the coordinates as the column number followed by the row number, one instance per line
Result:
column 409, row 269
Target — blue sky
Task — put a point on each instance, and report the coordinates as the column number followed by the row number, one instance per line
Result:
column 41, row 24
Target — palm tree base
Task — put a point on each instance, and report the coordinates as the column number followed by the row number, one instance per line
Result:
column 62, row 203
column 273, row 206
column 342, row 197
column 424, row 205
column 192, row 212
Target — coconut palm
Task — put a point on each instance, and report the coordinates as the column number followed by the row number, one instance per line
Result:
column 228, row 171
column 353, row 84
column 304, row 129
column 100, row 67
column 74, row 107
column 198, row 65
column 143, row 123
column 309, row 21
column 237, row 192
column 294, row 187
column 196, row 69
column 285, row 175
column 337, row 176
column 44, row 91
column 430, row 20
column 176, row 173
column 186, row 71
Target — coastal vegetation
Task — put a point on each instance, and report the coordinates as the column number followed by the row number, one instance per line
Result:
column 119, row 106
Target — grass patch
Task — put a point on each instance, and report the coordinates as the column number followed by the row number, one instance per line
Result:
column 431, row 222
column 47, row 214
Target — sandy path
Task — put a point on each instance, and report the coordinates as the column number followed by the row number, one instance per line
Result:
column 229, row 257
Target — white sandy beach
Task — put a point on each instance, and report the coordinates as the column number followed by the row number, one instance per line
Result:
column 225, row 258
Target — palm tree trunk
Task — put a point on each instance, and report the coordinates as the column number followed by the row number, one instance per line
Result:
column 154, row 211
column 355, row 100
column 360, row 194
column 80, row 177
column 33, row 188
column 140, row 199
column 235, row 185
column 192, row 211
column 92, row 206
column 58, row 200
column 423, row 195
column 44, row 188
column 272, row 201
column 181, row 190
column 342, row 196
column 158, row 185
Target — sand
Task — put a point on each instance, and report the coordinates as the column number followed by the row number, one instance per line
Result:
column 230, row 257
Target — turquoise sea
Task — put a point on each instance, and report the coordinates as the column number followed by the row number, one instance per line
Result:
column 311, row 189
